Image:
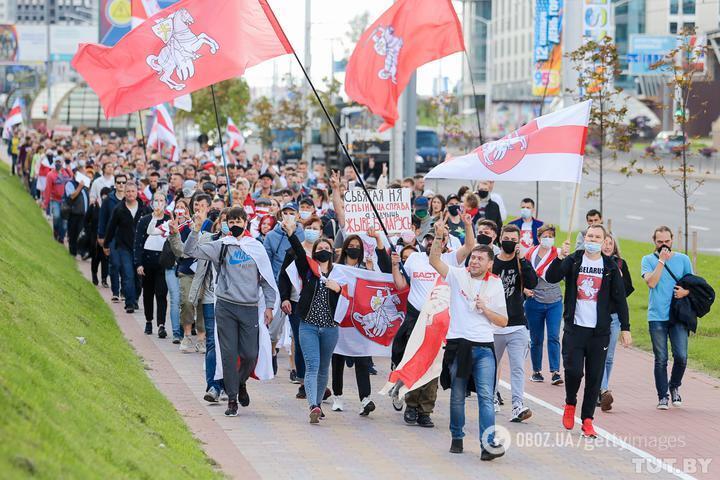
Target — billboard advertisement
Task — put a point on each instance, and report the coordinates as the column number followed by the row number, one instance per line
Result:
column 115, row 16
column 597, row 19
column 27, row 44
column 547, row 51
column 645, row 50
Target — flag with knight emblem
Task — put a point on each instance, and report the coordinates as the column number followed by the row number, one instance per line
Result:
column 409, row 34
column 369, row 312
column 549, row 148
column 182, row 48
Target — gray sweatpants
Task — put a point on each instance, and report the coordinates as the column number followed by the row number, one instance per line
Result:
column 517, row 344
column 237, row 328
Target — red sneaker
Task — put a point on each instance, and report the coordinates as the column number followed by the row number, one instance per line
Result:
column 587, row 429
column 569, row 417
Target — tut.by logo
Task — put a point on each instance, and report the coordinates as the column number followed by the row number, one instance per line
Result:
column 689, row 466
column 501, row 441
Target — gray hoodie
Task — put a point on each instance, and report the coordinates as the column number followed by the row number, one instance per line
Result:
column 239, row 277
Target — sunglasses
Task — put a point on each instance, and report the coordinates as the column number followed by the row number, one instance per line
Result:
column 120, row 183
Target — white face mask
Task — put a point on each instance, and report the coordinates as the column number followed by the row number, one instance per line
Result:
column 288, row 217
column 305, row 215
column 547, row 242
column 526, row 213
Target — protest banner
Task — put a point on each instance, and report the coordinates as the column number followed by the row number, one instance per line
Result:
column 393, row 205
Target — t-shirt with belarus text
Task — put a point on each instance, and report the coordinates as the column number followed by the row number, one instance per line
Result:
column 423, row 276
column 588, row 287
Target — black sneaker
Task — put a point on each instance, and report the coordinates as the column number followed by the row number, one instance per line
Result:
column 274, row 365
column 372, row 370
column 176, row 340
column 293, row 376
column 115, row 299
column 499, row 398
column 243, row 396
column 556, row 379
column 456, row 446
column 327, row 394
column 663, row 404
column 148, row 328
column 104, row 284
column 537, row 377
column 368, row 406
column 130, row 310
column 496, row 451
column 232, row 409
column 675, row 397
column 300, row 395
column 410, row 416
column 162, row 333
column 95, row 281
column 424, row 420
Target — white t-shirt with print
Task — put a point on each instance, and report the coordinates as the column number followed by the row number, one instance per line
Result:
column 465, row 321
column 423, row 276
column 588, row 287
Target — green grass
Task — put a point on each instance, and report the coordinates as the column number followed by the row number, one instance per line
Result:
column 71, row 410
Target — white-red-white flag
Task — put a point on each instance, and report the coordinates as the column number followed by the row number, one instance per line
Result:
column 162, row 133
column 549, row 148
column 14, row 117
column 235, row 137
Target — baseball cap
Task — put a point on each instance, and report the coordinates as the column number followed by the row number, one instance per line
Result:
column 290, row 206
column 265, row 174
column 452, row 196
column 307, row 201
column 421, row 203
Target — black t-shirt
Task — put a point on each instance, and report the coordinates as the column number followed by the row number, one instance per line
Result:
column 508, row 272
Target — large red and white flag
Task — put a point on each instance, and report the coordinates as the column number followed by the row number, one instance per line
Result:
column 370, row 311
column 14, row 117
column 141, row 10
column 162, row 133
column 409, row 34
column 182, row 48
column 550, row 148
column 235, row 137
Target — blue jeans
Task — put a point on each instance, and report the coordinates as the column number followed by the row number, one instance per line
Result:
column 299, row 360
column 678, row 335
column 318, row 344
column 59, row 225
column 114, row 268
column 483, row 371
column 539, row 315
column 127, row 272
column 210, row 355
column 173, row 285
column 614, row 335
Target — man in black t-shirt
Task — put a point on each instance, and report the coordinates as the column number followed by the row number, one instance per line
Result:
column 517, row 275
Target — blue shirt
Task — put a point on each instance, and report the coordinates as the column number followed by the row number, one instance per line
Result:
column 662, row 294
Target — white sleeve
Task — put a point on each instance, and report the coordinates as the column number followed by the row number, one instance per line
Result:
column 496, row 297
column 450, row 258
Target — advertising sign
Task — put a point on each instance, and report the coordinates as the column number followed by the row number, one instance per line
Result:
column 547, row 51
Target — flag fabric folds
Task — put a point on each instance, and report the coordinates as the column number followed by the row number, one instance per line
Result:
column 409, row 34
column 180, row 49
column 14, row 117
column 162, row 132
column 550, row 148
column 235, row 137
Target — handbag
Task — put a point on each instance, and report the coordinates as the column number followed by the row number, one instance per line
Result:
column 167, row 257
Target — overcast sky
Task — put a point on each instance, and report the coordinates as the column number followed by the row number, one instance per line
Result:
column 329, row 25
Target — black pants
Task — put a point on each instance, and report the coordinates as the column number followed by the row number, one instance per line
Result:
column 75, row 226
column 99, row 260
column 362, row 374
column 582, row 349
column 154, row 287
column 403, row 335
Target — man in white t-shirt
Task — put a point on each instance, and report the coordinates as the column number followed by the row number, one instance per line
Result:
column 477, row 311
column 421, row 277
column 106, row 180
column 593, row 287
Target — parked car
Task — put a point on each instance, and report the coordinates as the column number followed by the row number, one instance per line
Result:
column 429, row 151
column 668, row 141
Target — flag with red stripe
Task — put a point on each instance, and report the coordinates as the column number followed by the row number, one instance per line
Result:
column 550, row 148
column 162, row 133
column 236, row 139
column 14, row 117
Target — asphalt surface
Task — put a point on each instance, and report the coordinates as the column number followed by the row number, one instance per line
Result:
column 635, row 205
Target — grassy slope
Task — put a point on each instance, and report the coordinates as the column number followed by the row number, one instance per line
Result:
column 72, row 410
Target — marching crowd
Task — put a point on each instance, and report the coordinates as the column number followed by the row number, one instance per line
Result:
column 212, row 247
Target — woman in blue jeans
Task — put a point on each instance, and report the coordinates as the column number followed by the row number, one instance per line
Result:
column 182, row 215
column 610, row 248
column 543, row 308
column 316, row 307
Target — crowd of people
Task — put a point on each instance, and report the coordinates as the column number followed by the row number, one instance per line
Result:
column 212, row 247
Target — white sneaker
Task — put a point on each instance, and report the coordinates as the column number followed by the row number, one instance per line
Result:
column 520, row 413
column 187, row 346
column 200, row 346
column 223, row 396
column 496, row 404
column 337, row 405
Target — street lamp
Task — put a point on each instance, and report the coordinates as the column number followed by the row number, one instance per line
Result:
column 488, row 62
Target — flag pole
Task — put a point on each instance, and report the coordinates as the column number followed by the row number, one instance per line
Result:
column 142, row 134
column 222, row 150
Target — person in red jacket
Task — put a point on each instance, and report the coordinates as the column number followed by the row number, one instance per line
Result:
column 53, row 197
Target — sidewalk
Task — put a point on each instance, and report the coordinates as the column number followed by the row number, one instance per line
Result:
column 272, row 438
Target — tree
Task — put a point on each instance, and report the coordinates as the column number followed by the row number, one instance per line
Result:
column 444, row 110
column 264, row 117
column 597, row 64
column 681, row 65
column 356, row 26
column 233, row 97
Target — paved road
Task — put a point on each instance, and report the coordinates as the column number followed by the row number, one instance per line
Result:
column 635, row 204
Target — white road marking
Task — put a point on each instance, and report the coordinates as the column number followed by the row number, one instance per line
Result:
column 698, row 227
column 610, row 437
column 634, row 217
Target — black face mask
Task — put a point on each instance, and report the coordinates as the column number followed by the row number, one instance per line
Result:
column 508, row 246
column 236, row 230
column 483, row 239
column 354, row 252
column 322, row 256
column 483, row 193
column 213, row 215
column 454, row 210
column 661, row 247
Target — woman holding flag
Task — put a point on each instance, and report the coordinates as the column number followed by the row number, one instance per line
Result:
column 318, row 331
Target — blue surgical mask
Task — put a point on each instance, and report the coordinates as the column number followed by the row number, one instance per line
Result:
column 312, row 235
column 526, row 213
column 592, row 247
column 547, row 242
column 224, row 228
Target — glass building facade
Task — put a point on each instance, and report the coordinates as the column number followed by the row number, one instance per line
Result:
column 629, row 20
